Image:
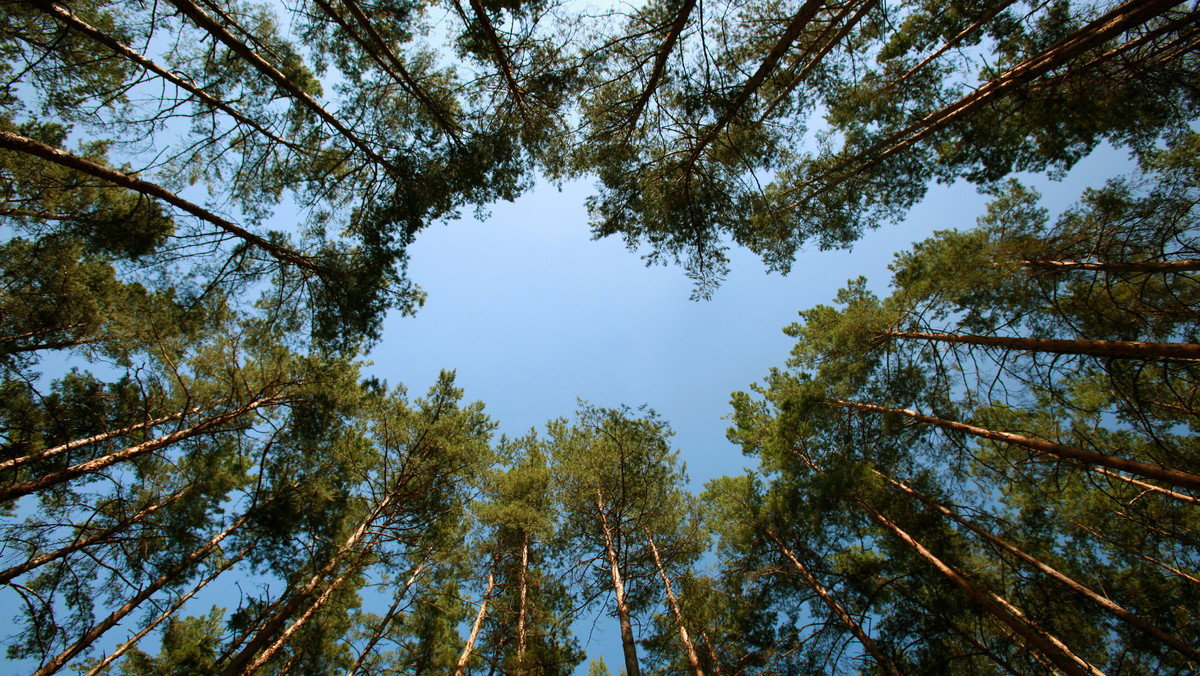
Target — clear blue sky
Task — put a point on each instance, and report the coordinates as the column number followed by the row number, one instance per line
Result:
column 533, row 314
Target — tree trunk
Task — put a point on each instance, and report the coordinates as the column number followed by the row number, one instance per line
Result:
column 1142, row 484
column 1171, row 476
column 483, row 604
column 1098, row 599
column 1138, row 554
column 58, row 661
column 212, row 27
column 126, row 645
column 38, row 561
column 1000, row 608
column 660, row 62
column 524, row 584
column 382, row 626
column 64, row 475
column 693, row 659
column 811, row 582
column 501, row 58
column 62, row 158
column 1101, row 266
column 1131, row 349
column 627, row 641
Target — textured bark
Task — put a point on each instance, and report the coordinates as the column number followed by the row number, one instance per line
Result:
column 628, row 646
column 58, row 661
column 846, row 619
column 100, row 536
column 18, row 143
column 521, row 610
column 1098, row 599
column 1000, row 608
column 693, row 659
column 97, row 464
column 1132, row 349
column 1171, row 476
column 212, row 27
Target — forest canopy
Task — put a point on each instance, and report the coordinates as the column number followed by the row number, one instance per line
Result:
column 207, row 208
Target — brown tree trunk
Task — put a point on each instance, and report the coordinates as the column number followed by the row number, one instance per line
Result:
column 1142, row 484
column 1098, row 599
column 212, row 27
column 1171, row 476
column 1138, row 554
column 521, row 610
column 97, row 464
column 628, row 646
column 483, row 604
column 101, row 536
column 811, row 582
column 1047, row 644
column 387, row 618
column 1131, row 349
column 62, row 158
column 660, row 61
column 58, row 661
column 1100, row 266
column 693, row 659
column 500, row 56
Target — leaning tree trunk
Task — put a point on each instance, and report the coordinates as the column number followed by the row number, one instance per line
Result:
column 483, row 604
column 693, row 659
column 381, row 628
column 1172, row 476
column 1132, row 349
column 627, row 641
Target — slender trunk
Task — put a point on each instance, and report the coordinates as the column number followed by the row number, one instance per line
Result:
column 94, row 439
column 212, row 27
column 841, row 613
column 1120, row 19
column 51, row 345
column 660, row 61
column 58, row 661
column 380, row 628
column 263, row 637
column 125, row 646
column 1098, row 599
column 18, row 143
column 1145, row 266
column 65, row 15
column 97, row 464
column 501, row 57
column 1047, row 644
column 1000, row 7
column 38, row 561
column 483, row 604
column 627, row 641
column 712, row 653
column 797, row 25
column 1142, row 484
column 1132, row 349
column 1138, row 554
column 1171, row 476
column 524, row 584
column 693, row 659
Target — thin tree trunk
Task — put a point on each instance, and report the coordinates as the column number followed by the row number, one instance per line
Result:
column 501, row 58
column 1142, row 484
column 1047, row 644
column 1140, row 555
column 1132, row 349
column 51, row 345
column 125, row 646
column 811, row 581
column 1171, row 476
column 62, row 158
column 712, row 653
column 67, row 17
column 377, row 634
column 96, row 438
column 211, row 26
column 483, row 604
column 1098, row 599
column 97, row 464
column 1146, row 266
column 693, row 659
column 58, row 661
column 660, row 61
column 627, row 641
column 38, row 561
column 524, row 584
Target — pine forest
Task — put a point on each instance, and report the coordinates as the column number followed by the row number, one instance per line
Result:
column 207, row 210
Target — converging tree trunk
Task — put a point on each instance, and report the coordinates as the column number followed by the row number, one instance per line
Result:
column 693, row 659
column 1131, row 349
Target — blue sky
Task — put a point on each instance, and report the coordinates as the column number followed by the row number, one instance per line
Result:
column 532, row 314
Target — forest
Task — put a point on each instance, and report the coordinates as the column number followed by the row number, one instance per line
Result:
column 207, row 210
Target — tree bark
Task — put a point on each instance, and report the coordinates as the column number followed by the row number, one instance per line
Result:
column 811, row 582
column 382, row 626
column 1131, row 349
column 524, row 584
column 97, row 464
column 483, row 604
column 501, row 58
column 1047, row 644
column 21, row 144
column 1101, row 266
column 1171, row 476
column 660, row 61
column 1098, row 599
column 693, row 658
column 1138, row 554
column 628, row 645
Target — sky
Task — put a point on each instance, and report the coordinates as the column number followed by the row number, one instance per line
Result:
column 532, row 314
